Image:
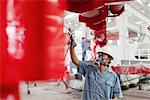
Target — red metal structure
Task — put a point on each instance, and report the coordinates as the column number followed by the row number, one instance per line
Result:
column 138, row 69
column 29, row 47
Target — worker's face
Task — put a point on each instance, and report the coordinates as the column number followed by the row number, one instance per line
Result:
column 106, row 59
column 102, row 58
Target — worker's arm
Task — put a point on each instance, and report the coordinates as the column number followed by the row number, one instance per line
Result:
column 73, row 55
column 117, row 90
column 85, row 68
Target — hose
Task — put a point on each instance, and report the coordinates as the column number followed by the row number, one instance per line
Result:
column 84, row 90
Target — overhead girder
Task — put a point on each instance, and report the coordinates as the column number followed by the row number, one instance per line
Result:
column 80, row 6
column 94, row 19
column 131, row 8
column 94, row 13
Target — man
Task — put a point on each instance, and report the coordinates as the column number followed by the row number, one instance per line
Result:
column 85, row 48
column 101, row 82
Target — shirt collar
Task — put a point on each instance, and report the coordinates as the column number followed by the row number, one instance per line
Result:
column 109, row 69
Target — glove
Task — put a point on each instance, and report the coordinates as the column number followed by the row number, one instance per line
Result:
column 72, row 43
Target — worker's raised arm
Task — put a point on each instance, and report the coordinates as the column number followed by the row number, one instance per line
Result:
column 73, row 54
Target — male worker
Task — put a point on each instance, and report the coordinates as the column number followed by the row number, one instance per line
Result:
column 85, row 48
column 101, row 82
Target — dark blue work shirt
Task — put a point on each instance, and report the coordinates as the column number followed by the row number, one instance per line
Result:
column 103, row 85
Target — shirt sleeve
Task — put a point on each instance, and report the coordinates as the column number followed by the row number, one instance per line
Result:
column 117, row 89
column 85, row 68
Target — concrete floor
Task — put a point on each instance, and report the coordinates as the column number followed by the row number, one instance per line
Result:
column 49, row 91
column 55, row 91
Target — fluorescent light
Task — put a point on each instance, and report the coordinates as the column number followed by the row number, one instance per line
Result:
column 111, row 28
column 69, row 23
column 139, row 22
column 139, row 1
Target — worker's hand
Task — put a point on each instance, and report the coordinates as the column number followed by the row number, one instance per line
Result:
column 72, row 43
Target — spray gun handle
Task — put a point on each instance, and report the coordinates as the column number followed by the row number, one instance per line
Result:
column 70, row 33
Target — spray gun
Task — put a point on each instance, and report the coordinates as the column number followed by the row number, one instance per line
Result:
column 71, row 34
column 71, row 42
